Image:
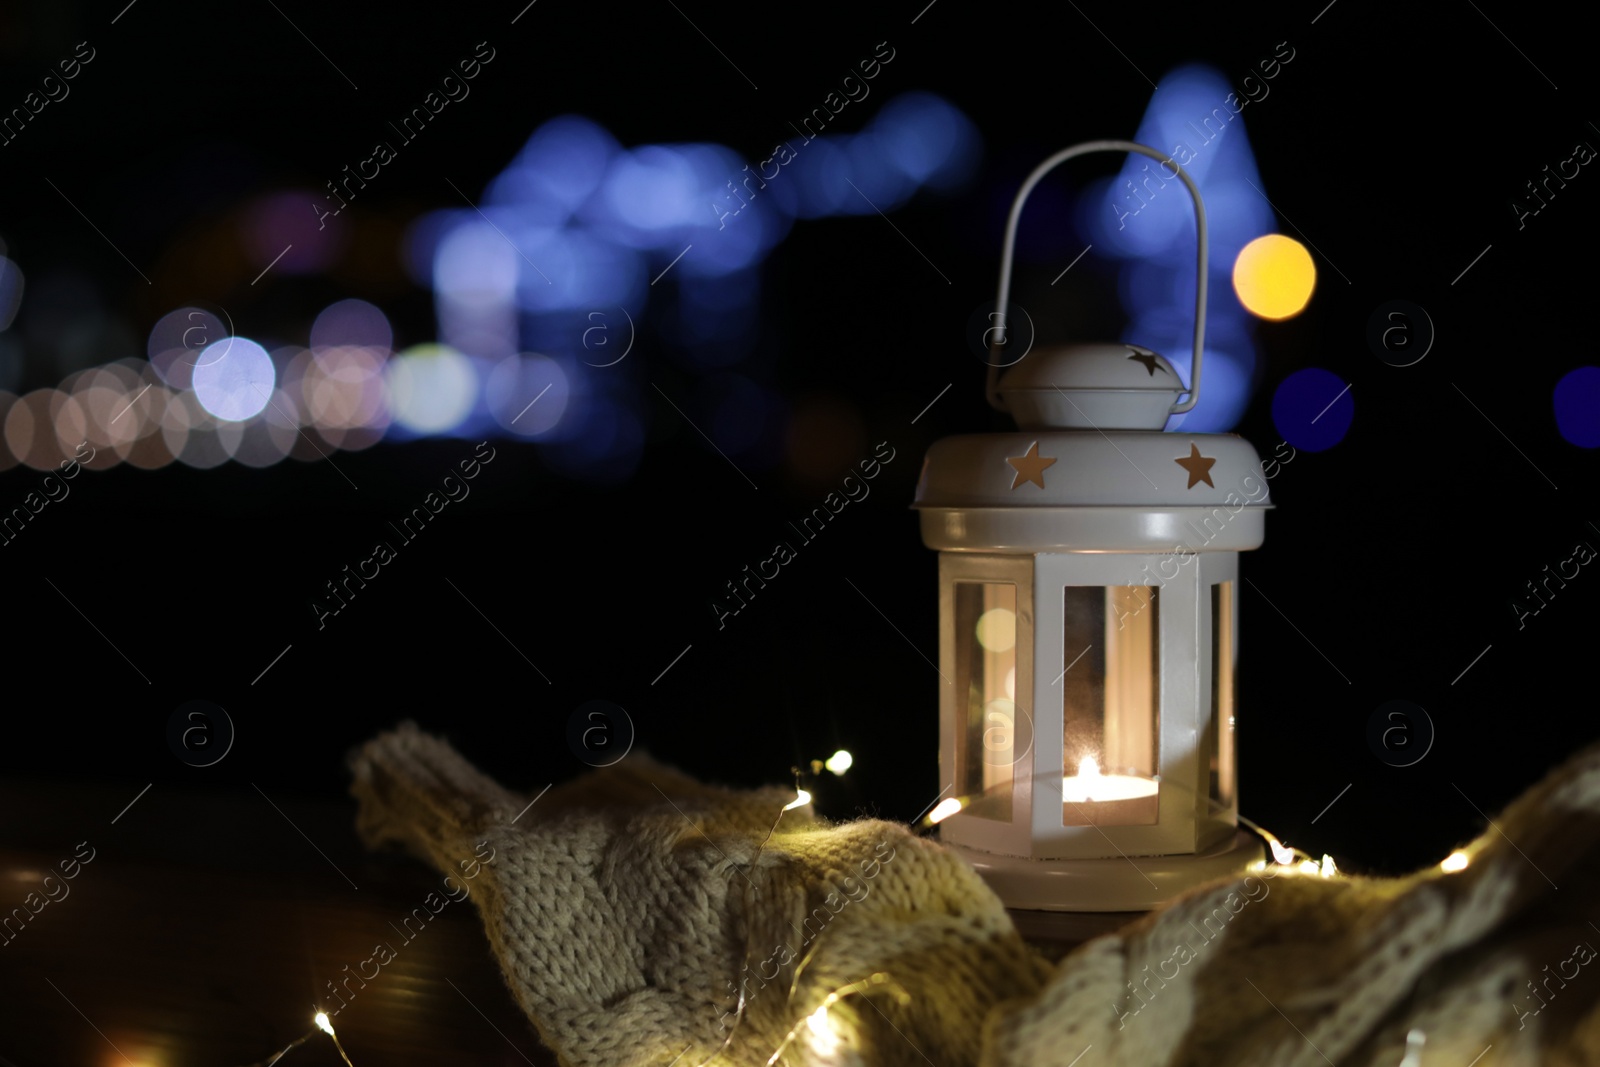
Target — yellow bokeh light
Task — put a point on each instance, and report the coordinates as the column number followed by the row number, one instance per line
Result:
column 840, row 762
column 1274, row 277
column 997, row 629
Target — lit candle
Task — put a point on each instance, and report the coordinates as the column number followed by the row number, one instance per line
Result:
column 1095, row 799
column 1090, row 785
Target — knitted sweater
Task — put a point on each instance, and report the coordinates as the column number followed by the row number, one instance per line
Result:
column 641, row 917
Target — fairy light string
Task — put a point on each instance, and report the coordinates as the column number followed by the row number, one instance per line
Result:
column 323, row 1026
column 821, row 1027
column 802, row 798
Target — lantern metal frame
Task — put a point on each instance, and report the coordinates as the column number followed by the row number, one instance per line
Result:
column 1096, row 526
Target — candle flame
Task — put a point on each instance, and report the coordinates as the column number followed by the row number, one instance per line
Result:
column 1088, row 768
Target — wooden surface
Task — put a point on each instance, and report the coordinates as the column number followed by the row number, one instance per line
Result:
column 204, row 929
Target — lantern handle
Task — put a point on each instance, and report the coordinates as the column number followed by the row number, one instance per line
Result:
column 1002, row 300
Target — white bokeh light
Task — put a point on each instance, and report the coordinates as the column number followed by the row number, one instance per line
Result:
column 431, row 388
column 234, row 379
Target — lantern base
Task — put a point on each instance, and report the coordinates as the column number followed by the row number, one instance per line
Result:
column 1110, row 885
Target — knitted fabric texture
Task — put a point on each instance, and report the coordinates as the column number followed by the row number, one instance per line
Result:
column 639, row 915
column 634, row 909
column 1493, row 961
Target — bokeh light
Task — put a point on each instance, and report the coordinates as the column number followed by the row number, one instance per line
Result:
column 928, row 140
column 528, row 394
column 561, row 166
column 1274, row 277
column 30, row 429
column 351, row 322
column 997, row 630
column 1577, row 405
column 574, row 239
column 234, row 378
column 1312, row 409
column 10, row 291
column 431, row 388
column 8, row 458
column 342, row 388
column 1145, row 217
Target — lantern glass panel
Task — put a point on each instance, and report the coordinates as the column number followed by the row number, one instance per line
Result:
column 986, row 676
column 1110, row 706
column 1220, row 735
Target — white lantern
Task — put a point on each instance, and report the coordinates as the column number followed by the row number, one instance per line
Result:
column 1089, row 615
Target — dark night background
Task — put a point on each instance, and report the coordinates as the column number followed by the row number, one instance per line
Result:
column 1396, row 141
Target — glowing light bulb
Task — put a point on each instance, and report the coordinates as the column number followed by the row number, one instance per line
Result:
column 1415, row 1040
column 1282, row 853
column 1309, row 867
column 1274, row 277
column 798, row 802
column 817, row 1022
column 321, row 1019
column 840, row 762
column 1456, row 861
column 944, row 809
column 1328, row 870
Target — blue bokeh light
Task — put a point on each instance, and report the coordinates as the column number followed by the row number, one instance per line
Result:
column 659, row 187
column 577, row 226
column 10, row 291
column 1145, row 217
column 928, row 139
column 1577, row 406
column 1312, row 409
column 559, row 169
column 527, row 394
column 475, row 263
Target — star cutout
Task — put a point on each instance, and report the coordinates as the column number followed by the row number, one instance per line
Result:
column 1198, row 466
column 1149, row 361
column 1030, row 467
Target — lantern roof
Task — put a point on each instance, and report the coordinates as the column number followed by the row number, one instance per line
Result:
column 1090, row 468
column 1090, row 387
